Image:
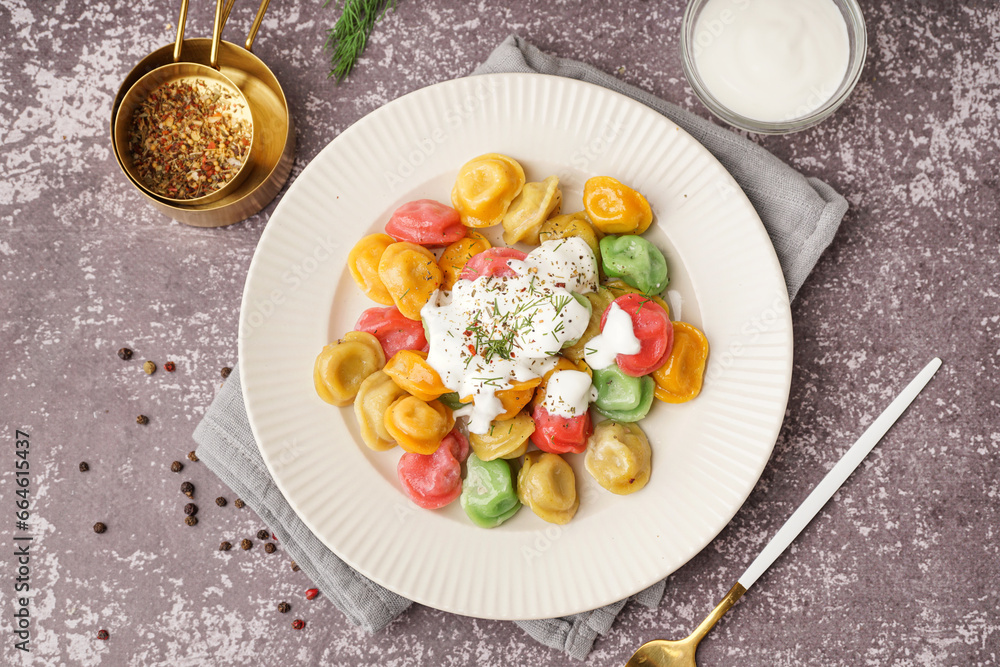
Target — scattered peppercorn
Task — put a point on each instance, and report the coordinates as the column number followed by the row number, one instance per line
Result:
column 99, row 528
column 220, row 501
column 269, row 547
column 176, row 466
column 190, row 509
column 263, row 534
column 295, row 566
column 84, row 467
column 239, row 503
column 187, row 488
column 169, row 367
column 298, row 624
column 245, row 544
column 312, row 593
column 103, row 635
column 192, row 456
column 191, row 520
column 225, row 546
column 142, row 419
column 284, row 607
column 125, row 353
column 226, row 370
column 149, row 367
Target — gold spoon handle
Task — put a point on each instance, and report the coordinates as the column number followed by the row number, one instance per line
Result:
column 179, row 42
column 216, row 35
column 834, row 479
column 734, row 594
column 256, row 24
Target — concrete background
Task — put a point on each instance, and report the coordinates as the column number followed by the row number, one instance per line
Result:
column 900, row 570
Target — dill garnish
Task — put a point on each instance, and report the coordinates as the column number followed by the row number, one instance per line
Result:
column 349, row 35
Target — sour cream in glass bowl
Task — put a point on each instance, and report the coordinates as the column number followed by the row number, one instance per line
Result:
column 773, row 66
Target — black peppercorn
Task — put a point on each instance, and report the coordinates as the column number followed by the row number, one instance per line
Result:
column 192, row 456
column 239, row 503
column 99, row 528
column 176, row 466
column 142, row 419
column 125, row 353
column 298, row 624
column 269, row 547
column 187, row 488
column 284, row 607
column 190, row 509
column 295, row 567
column 220, row 501
column 84, row 467
column 191, row 520
column 225, row 546
column 169, row 367
column 226, row 370
column 263, row 534
column 103, row 635
column 245, row 544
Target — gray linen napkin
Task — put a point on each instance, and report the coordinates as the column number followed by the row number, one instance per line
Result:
column 800, row 214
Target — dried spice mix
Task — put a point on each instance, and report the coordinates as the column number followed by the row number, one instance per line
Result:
column 189, row 138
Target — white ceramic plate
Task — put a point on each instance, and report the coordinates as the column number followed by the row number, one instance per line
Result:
column 707, row 454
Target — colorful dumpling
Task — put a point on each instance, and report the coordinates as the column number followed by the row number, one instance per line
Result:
column 636, row 261
column 485, row 187
column 530, row 209
column 375, row 395
column 363, row 261
column 425, row 222
column 547, row 485
column 418, row 426
column 615, row 208
column 434, row 480
column 618, row 457
column 394, row 330
column 410, row 275
column 410, row 370
column 599, row 302
column 342, row 366
column 622, row 397
column 488, row 495
column 679, row 379
column 506, row 439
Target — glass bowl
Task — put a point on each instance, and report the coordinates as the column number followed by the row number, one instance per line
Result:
column 858, row 46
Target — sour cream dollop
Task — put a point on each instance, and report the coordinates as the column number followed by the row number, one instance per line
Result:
column 616, row 338
column 490, row 333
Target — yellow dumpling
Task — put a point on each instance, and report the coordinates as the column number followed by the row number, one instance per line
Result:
column 375, row 395
column 530, row 209
column 342, row 366
column 547, row 485
column 506, row 439
column 618, row 457
column 485, row 187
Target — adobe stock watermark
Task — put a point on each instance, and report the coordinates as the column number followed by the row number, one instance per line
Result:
column 412, row 158
column 263, row 307
column 768, row 320
column 709, row 29
column 586, row 155
column 544, row 539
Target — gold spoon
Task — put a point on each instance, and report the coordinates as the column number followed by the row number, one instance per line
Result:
column 664, row 653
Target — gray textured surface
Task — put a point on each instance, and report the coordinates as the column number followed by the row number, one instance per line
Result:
column 900, row 570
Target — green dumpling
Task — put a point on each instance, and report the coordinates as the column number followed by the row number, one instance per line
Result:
column 622, row 397
column 636, row 261
column 488, row 494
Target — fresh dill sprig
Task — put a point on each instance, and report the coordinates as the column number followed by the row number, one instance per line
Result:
column 349, row 35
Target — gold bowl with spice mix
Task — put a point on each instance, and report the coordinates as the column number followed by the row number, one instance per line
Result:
column 268, row 162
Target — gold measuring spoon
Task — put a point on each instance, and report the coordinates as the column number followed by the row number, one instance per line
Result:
column 196, row 74
column 664, row 653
